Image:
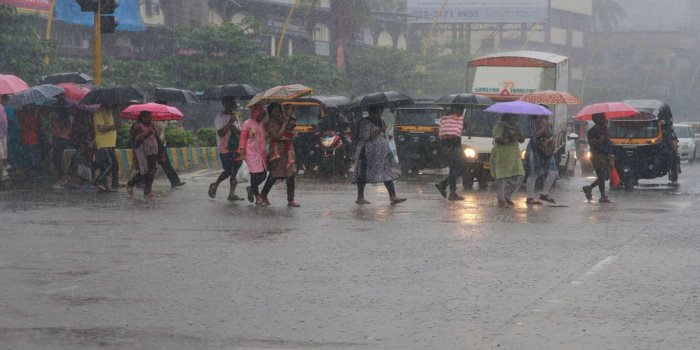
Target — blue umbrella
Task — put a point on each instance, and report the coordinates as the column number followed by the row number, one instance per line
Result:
column 38, row 95
column 518, row 107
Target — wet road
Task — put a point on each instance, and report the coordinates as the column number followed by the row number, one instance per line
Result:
column 88, row 270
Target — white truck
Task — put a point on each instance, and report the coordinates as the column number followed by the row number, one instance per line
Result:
column 507, row 77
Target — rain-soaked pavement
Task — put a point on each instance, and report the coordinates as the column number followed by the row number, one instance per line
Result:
column 88, row 270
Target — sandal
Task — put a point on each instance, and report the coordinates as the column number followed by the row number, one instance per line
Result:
column 251, row 195
column 397, row 200
column 604, row 200
column 442, row 191
column 510, row 202
column 362, row 201
column 532, row 201
column 546, row 198
column 588, row 192
column 212, row 190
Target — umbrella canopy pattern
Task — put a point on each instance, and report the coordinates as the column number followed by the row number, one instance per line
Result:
column 612, row 110
column 158, row 111
column 37, row 95
column 287, row 92
column 74, row 92
column 238, row 91
column 175, row 95
column 551, row 97
column 519, row 107
column 388, row 99
column 464, row 100
column 112, row 95
column 69, row 77
column 10, row 84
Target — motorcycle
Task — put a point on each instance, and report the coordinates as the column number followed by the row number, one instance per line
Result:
column 334, row 158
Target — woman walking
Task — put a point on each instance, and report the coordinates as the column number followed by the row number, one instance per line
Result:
column 601, row 157
column 539, row 159
column 452, row 150
column 375, row 162
column 282, row 164
column 145, row 144
column 252, row 150
column 506, row 165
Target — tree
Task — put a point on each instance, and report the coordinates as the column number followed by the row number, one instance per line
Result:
column 607, row 14
column 382, row 69
column 21, row 49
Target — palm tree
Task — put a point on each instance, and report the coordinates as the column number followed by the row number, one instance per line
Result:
column 607, row 13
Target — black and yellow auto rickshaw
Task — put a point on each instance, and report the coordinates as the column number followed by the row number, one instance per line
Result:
column 311, row 113
column 416, row 136
column 644, row 145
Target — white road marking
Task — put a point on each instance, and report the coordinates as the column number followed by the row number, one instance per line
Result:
column 595, row 269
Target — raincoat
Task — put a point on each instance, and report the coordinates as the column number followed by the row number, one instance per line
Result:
column 375, row 162
column 505, row 159
column 252, row 144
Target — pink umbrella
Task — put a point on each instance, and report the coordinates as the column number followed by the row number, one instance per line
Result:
column 612, row 110
column 74, row 92
column 10, row 84
column 158, row 111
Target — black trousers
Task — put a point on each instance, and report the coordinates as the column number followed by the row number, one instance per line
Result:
column 255, row 180
column 453, row 152
column 106, row 159
column 291, row 186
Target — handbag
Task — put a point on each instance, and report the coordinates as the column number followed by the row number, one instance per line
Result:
column 614, row 177
column 451, row 126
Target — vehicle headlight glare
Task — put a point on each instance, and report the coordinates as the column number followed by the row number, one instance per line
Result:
column 522, row 154
column 432, row 138
column 402, row 138
column 470, row 153
column 587, row 155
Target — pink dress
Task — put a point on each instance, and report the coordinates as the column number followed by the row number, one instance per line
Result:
column 253, row 146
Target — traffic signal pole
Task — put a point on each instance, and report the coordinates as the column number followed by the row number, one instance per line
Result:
column 49, row 26
column 97, row 48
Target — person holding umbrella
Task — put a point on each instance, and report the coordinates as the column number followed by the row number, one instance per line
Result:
column 282, row 166
column 144, row 141
column 163, row 159
column 539, row 159
column 601, row 156
column 375, row 161
column 228, row 132
column 506, row 165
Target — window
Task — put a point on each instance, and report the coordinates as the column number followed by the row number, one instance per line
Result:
column 153, row 7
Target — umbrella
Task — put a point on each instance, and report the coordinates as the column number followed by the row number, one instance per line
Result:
column 158, row 111
column 286, row 92
column 464, row 99
column 38, row 95
column 239, row 91
column 112, row 95
column 255, row 100
column 519, row 107
column 10, row 84
column 612, row 110
column 175, row 95
column 74, row 92
column 69, row 77
column 551, row 97
column 390, row 99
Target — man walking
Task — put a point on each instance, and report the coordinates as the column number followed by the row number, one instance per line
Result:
column 601, row 157
column 105, row 142
column 228, row 132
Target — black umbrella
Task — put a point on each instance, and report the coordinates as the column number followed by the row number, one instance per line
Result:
column 388, row 99
column 175, row 95
column 69, row 77
column 239, row 91
column 119, row 95
column 464, row 100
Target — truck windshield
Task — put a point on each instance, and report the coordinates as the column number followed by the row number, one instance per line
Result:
column 633, row 129
column 418, row 117
column 307, row 115
column 480, row 123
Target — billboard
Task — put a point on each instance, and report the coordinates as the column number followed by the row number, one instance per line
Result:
column 29, row 5
column 479, row 11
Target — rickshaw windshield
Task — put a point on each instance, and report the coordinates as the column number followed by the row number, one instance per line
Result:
column 418, row 117
column 480, row 123
column 307, row 115
column 633, row 129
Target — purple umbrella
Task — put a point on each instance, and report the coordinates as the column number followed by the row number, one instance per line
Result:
column 519, row 107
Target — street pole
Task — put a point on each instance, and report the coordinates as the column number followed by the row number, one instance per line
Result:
column 285, row 27
column 97, row 48
column 49, row 25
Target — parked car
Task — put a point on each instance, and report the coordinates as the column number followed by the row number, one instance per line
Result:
column 686, row 142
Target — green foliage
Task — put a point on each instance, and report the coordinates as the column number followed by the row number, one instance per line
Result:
column 206, row 137
column 381, row 69
column 175, row 137
column 123, row 135
column 314, row 71
column 21, row 47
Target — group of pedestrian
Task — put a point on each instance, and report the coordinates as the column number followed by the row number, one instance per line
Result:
column 34, row 138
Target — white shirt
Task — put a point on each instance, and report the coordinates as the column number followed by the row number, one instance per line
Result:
column 220, row 122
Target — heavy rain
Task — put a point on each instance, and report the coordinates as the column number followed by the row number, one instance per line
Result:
column 336, row 174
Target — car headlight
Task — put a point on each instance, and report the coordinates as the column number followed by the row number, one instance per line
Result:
column 432, row 138
column 470, row 153
column 327, row 143
column 402, row 138
column 522, row 154
column 587, row 155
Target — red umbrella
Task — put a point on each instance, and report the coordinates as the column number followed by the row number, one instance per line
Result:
column 10, row 84
column 612, row 110
column 74, row 92
column 159, row 112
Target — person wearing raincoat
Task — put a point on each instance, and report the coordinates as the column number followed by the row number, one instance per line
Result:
column 375, row 162
column 252, row 150
column 506, row 165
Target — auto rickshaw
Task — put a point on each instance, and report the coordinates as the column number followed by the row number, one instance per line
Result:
column 645, row 146
column 311, row 111
column 416, row 135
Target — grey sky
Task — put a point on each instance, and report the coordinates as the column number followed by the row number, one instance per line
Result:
column 658, row 15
